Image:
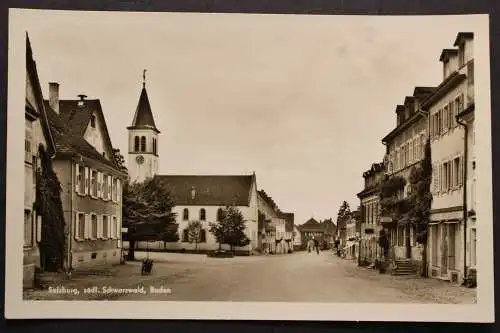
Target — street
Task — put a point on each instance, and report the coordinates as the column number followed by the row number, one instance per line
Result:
column 297, row 277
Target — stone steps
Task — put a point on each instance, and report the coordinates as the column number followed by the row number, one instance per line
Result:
column 404, row 267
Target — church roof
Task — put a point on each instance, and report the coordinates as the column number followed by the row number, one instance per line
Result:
column 143, row 117
column 311, row 222
column 209, row 190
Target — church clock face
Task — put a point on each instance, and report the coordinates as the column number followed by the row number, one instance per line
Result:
column 139, row 159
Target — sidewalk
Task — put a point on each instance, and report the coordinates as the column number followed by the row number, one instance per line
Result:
column 428, row 289
column 120, row 276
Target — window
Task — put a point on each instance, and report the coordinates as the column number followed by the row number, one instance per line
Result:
column 473, row 247
column 461, row 55
column 105, row 187
column 28, row 141
column 93, row 226
column 114, row 233
column 202, row 214
column 185, row 235
column 136, row 144
column 92, row 121
column 105, row 226
column 80, row 226
column 115, row 190
column 81, row 179
column 456, row 172
column 28, row 228
column 460, row 105
column 154, row 146
column 93, row 185
column 143, row 143
column 185, row 214
column 470, row 73
column 220, row 214
column 445, row 119
column 446, row 176
column 110, row 187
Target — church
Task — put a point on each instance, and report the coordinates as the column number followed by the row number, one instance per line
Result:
column 196, row 197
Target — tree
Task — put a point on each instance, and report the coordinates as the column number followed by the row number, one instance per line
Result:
column 230, row 229
column 48, row 205
column 343, row 215
column 147, row 211
column 194, row 233
column 120, row 160
column 420, row 200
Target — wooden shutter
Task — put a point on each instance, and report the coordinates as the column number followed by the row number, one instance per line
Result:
column 77, row 228
column 77, row 178
column 110, row 186
column 38, row 220
column 439, row 168
column 99, row 184
column 118, row 191
column 113, row 190
column 87, row 225
column 461, row 170
column 110, row 225
column 86, row 181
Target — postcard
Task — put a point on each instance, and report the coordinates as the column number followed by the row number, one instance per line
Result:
column 243, row 166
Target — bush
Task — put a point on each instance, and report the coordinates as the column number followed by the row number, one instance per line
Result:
column 289, row 251
column 220, row 254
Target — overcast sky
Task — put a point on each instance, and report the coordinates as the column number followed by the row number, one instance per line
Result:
column 301, row 100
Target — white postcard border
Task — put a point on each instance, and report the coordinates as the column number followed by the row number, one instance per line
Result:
column 16, row 307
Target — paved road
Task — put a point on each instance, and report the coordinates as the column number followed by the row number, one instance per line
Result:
column 298, row 277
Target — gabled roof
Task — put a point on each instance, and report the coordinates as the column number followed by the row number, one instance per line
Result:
column 143, row 117
column 39, row 109
column 310, row 222
column 73, row 120
column 375, row 167
column 70, row 143
column 209, row 190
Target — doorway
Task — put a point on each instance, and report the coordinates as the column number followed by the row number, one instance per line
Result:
column 408, row 242
column 444, row 250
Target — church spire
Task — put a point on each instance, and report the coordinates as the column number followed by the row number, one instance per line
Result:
column 143, row 117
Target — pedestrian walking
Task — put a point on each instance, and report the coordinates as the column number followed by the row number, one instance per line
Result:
column 316, row 245
column 310, row 245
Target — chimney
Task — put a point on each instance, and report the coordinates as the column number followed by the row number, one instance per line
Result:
column 81, row 102
column 54, row 96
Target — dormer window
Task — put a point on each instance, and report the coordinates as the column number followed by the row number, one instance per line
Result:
column 92, row 121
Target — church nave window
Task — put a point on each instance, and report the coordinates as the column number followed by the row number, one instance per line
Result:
column 203, row 214
column 143, row 143
column 185, row 214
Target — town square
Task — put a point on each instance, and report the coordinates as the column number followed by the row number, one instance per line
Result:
column 249, row 169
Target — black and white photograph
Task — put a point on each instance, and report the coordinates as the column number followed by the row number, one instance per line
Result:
column 249, row 166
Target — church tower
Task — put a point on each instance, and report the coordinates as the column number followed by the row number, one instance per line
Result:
column 142, row 140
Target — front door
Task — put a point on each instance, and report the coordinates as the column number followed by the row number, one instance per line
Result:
column 444, row 250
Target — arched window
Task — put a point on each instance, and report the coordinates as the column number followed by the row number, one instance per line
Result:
column 143, row 143
column 185, row 214
column 203, row 236
column 136, row 143
column 202, row 214
column 220, row 214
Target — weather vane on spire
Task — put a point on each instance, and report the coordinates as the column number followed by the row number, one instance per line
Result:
column 144, row 78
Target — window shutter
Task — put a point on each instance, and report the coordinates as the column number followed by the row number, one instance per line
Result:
column 461, row 171
column 77, row 175
column 118, row 191
column 118, row 229
column 110, row 225
column 87, row 225
column 113, row 190
column 99, row 226
column 99, row 184
column 110, row 186
column 438, row 181
column 38, row 228
column 86, row 181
